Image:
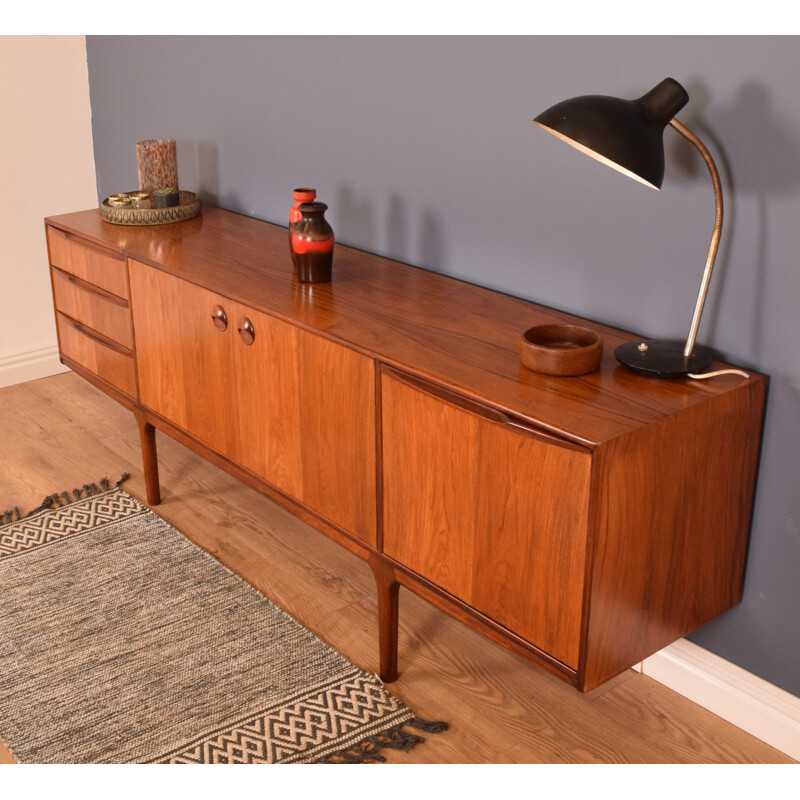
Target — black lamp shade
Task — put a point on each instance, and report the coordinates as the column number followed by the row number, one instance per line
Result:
column 625, row 134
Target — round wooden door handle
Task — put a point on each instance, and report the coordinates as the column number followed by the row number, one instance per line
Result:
column 247, row 332
column 219, row 317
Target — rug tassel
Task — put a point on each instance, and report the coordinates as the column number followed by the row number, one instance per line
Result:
column 47, row 503
column 402, row 740
column 10, row 516
column 63, row 498
column 428, row 727
column 368, row 750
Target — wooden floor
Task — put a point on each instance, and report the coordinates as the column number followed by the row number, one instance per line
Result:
column 59, row 432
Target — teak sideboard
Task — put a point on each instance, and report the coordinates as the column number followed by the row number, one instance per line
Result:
column 583, row 522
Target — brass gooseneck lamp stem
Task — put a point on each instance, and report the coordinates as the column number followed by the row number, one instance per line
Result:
column 715, row 236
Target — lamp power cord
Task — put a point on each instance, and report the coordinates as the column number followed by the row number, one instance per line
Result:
column 704, row 375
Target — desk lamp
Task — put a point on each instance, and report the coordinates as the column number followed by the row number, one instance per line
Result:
column 627, row 135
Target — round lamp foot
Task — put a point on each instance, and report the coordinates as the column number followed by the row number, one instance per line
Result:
column 662, row 359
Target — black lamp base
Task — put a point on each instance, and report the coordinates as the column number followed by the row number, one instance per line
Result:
column 662, row 359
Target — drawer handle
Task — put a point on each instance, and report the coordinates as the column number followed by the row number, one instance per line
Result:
column 88, row 245
column 91, row 288
column 220, row 318
column 98, row 337
column 452, row 398
column 247, row 333
column 480, row 410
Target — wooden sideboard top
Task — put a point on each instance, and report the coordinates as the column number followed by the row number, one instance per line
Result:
column 453, row 333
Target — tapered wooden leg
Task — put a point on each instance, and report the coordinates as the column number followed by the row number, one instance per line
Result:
column 388, row 608
column 147, row 434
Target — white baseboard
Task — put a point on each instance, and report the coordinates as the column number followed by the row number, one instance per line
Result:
column 730, row 692
column 30, row 365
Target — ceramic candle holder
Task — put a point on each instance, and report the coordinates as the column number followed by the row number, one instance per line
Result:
column 157, row 162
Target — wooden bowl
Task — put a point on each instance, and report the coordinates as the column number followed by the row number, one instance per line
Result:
column 561, row 349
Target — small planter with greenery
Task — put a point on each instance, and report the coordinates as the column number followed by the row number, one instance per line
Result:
column 165, row 197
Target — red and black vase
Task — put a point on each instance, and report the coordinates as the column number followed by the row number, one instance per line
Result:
column 312, row 244
column 304, row 195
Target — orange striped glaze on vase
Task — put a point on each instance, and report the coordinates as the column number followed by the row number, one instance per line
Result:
column 302, row 195
column 312, row 244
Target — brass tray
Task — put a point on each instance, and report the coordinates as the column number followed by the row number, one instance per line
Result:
column 143, row 213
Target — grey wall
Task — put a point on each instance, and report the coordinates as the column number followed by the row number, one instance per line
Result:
column 424, row 150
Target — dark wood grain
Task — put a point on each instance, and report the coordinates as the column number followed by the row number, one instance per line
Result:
column 291, row 407
column 99, row 310
column 92, row 263
column 388, row 597
column 492, row 515
column 147, row 436
column 462, row 336
column 561, row 349
column 582, row 522
column 672, row 518
column 104, row 357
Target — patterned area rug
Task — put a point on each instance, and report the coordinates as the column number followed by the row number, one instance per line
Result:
column 123, row 642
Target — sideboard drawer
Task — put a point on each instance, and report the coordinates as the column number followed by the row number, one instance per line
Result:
column 88, row 261
column 104, row 357
column 98, row 309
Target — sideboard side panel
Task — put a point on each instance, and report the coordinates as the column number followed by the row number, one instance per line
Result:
column 672, row 528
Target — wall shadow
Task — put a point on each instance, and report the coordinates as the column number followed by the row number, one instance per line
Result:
column 758, row 155
column 207, row 171
column 355, row 219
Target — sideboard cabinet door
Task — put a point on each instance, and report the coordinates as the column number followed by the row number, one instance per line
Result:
column 490, row 512
column 290, row 406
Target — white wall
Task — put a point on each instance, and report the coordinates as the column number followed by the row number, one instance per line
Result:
column 46, row 168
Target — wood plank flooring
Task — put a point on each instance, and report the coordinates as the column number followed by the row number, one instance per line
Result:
column 60, row 432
